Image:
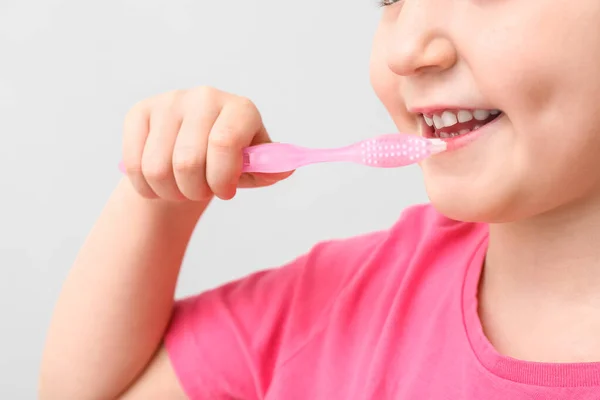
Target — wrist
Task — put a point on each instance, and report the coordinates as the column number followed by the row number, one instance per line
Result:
column 179, row 214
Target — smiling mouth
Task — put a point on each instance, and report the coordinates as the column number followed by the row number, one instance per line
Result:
column 449, row 124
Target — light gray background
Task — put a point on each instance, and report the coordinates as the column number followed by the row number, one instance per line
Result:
column 69, row 71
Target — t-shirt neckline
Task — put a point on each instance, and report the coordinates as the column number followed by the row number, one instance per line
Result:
column 525, row 372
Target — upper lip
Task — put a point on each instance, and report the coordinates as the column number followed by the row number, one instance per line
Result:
column 438, row 109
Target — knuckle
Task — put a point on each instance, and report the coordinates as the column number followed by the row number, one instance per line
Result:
column 199, row 99
column 188, row 158
column 172, row 100
column 246, row 104
column 173, row 96
column 204, row 93
column 133, row 168
column 156, row 171
column 248, row 112
column 225, row 138
column 135, row 114
column 138, row 107
column 187, row 163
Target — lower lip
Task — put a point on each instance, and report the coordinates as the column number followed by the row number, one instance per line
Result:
column 458, row 142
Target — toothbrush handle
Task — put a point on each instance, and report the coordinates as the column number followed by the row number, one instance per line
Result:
column 283, row 157
column 272, row 157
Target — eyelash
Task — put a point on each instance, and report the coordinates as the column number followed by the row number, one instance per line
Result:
column 385, row 3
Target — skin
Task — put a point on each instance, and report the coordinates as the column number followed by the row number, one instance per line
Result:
column 533, row 177
column 180, row 150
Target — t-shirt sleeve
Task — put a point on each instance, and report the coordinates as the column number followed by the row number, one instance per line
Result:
column 227, row 343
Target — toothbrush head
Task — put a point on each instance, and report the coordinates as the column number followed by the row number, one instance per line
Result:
column 396, row 150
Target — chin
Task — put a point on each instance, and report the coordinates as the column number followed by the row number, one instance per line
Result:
column 473, row 200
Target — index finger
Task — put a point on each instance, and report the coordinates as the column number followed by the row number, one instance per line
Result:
column 238, row 125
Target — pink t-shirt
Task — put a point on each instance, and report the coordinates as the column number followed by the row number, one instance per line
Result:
column 387, row 315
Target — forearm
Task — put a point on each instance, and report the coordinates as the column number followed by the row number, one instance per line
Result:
column 117, row 300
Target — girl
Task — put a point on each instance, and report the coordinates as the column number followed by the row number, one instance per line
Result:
column 492, row 291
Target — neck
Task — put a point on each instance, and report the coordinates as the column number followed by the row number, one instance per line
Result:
column 556, row 254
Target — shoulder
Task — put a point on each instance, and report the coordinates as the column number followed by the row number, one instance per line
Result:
column 420, row 239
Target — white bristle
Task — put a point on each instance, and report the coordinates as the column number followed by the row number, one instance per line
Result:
column 438, row 144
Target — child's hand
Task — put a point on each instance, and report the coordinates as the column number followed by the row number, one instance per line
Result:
column 187, row 145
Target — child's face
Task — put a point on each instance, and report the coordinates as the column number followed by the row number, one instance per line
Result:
column 537, row 61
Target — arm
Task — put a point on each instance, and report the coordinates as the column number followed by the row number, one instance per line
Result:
column 117, row 300
column 179, row 149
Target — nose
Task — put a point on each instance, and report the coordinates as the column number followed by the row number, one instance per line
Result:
column 417, row 44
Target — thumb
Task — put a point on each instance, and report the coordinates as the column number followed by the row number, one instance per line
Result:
column 261, row 179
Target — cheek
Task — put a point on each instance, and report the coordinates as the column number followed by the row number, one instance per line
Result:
column 382, row 80
column 387, row 87
column 543, row 66
column 546, row 79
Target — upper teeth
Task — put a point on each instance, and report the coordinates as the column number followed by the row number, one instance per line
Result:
column 448, row 118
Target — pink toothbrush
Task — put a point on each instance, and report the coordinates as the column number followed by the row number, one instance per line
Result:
column 385, row 151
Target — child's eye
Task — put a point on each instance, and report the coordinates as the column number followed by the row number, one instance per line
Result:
column 384, row 3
